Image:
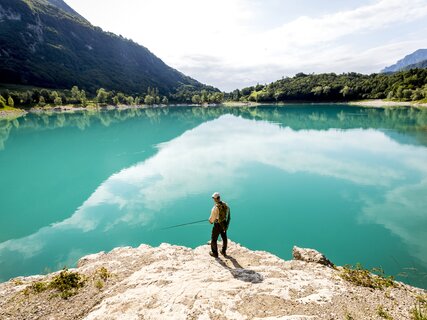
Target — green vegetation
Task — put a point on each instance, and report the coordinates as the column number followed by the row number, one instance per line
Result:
column 402, row 86
column 24, row 97
column 103, row 273
column 384, row 314
column 2, row 102
column 419, row 312
column 408, row 85
column 66, row 283
column 51, row 46
column 40, row 286
column 375, row 278
column 101, row 276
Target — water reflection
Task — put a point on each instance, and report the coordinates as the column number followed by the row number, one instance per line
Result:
column 216, row 154
column 297, row 117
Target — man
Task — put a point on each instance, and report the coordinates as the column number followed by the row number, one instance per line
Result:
column 220, row 217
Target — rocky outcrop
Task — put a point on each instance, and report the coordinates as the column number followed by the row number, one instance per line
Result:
column 310, row 255
column 174, row 282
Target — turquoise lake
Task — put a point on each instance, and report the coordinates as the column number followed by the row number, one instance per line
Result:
column 350, row 182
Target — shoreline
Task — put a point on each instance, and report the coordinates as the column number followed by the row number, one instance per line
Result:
column 378, row 103
column 8, row 114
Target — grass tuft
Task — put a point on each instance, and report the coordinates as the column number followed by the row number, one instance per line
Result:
column 384, row 314
column 103, row 273
column 419, row 312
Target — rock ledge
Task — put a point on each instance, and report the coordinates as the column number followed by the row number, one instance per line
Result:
column 174, row 282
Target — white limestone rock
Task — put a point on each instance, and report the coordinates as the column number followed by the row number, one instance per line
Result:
column 310, row 255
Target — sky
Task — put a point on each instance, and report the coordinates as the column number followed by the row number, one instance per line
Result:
column 237, row 43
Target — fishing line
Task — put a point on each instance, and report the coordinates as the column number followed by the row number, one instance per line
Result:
column 184, row 224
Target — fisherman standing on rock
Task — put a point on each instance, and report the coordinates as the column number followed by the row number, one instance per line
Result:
column 220, row 217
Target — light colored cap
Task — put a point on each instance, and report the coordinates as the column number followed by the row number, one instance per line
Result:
column 215, row 195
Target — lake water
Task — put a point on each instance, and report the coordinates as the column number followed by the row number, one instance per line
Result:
column 348, row 181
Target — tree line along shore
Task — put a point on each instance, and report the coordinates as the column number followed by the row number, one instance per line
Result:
column 404, row 86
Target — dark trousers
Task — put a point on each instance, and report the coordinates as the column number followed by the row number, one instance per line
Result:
column 216, row 231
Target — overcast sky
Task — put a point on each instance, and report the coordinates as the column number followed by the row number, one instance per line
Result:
column 236, row 43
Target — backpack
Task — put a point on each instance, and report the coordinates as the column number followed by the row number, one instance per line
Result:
column 224, row 215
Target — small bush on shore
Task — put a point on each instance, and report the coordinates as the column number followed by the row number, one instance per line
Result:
column 360, row 276
column 66, row 283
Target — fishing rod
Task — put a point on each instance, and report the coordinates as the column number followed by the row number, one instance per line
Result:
column 184, row 224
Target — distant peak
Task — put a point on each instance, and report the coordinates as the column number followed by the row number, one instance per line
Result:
column 410, row 59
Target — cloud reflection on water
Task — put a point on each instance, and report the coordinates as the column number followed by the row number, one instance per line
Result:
column 217, row 152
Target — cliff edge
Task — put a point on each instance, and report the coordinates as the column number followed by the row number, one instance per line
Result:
column 174, row 282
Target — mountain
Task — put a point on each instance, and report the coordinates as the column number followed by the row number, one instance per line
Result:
column 419, row 65
column 410, row 59
column 46, row 43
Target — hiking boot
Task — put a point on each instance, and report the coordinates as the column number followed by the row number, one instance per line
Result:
column 224, row 253
column 213, row 254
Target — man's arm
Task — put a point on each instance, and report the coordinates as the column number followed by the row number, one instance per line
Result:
column 214, row 215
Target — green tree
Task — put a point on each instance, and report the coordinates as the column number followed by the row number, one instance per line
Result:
column 53, row 95
column 317, row 90
column 101, row 96
column 42, row 101
column 236, row 95
column 417, row 94
column 75, row 94
column 346, row 91
column 196, row 99
column 204, row 97
column 35, row 96
column 10, row 102
column 115, row 100
column 326, row 90
column 57, row 101
column 129, row 101
column 83, row 99
column 149, row 100
column 406, row 94
column 216, row 97
column 2, row 102
column 165, row 100
column 45, row 94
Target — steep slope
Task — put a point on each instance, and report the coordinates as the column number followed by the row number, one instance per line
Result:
column 65, row 7
column 413, row 58
column 46, row 43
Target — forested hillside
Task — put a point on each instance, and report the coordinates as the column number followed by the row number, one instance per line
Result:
column 404, row 86
column 47, row 44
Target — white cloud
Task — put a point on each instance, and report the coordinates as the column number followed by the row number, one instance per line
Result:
column 232, row 43
column 403, row 213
